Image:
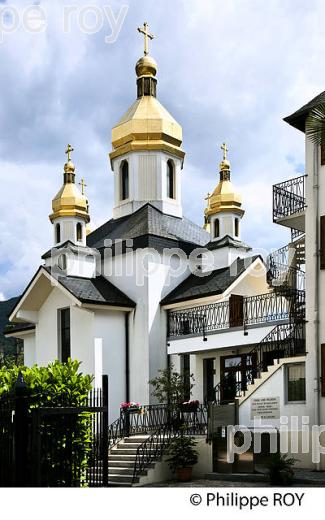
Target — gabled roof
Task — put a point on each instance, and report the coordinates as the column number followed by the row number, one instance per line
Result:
column 146, row 221
column 214, row 283
column 98, row 291
column 95, row 291
column 74, row 248
column 298, row 118
column 14, row 328
column 227, row 241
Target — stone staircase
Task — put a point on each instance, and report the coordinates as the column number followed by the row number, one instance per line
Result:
column 271, row 369
column 121, row 461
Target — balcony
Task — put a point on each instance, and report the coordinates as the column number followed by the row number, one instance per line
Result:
column 289, row 204
column 239, row 311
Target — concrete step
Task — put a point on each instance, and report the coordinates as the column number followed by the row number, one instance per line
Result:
column 121, row 463
column 127, row 458
column 122, row 479
column 125, row 451
column 120, row 471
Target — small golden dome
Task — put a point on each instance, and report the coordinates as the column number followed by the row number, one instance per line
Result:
column 69, row 201
column 224, row 197
column 146, row 66
column 69, row 167
column 224, row 165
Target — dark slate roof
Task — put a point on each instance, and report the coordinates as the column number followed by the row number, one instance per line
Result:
column 147, row 221
column 13, row 328
column 97, row 291
column 298, row 118
column 227, row 241
column 68, row 245
column 214, row 283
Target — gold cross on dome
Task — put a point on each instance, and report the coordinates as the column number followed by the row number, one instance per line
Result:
column 225, row 150
column 83, row 186
column 147, row 35
column 68, row 151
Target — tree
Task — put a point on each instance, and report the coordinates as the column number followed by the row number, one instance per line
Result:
column 315, row 125
column 170, row 387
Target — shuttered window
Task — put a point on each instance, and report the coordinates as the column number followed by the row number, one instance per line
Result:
column 322, row 242
column 323, row 369
column 322, row 155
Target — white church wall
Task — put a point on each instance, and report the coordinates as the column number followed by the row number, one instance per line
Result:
column 47, row 327
column 131, row 273
column 147, row 182
column 82, row 334
column 29, row 350
column 109, row 326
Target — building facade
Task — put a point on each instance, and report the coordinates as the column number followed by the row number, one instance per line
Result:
column 149, row 287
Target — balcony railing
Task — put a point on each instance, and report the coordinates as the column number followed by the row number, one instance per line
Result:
column 289, row 197
column 240, row 311
column 283, row 270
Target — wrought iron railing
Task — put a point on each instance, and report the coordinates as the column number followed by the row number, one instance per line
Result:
column 283, row 341
column 262, row 308
column 289, row 197
column 283, row 268
column 180, row 423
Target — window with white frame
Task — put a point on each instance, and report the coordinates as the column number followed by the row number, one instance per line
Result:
column 295, row 383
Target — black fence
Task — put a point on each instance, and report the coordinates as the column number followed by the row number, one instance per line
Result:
column 238, row 311
column 289, row 197
column 54, row 447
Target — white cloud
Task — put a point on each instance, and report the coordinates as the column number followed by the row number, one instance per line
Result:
column 227, row 71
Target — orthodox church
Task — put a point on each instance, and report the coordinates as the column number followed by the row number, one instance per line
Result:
column 150, row 287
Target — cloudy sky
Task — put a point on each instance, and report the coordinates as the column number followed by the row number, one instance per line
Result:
column 228, row 70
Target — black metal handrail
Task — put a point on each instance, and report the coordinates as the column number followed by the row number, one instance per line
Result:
column 262, row 308
column 289, row 197
column 283, row 341
column 180, row 423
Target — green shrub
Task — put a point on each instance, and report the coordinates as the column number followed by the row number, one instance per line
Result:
column 280, row 469
column 182, row 453
column 65, row 438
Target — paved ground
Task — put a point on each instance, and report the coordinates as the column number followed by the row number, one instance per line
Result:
column 304, row 478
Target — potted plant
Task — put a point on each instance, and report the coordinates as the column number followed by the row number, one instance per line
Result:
column 190, row 406
column 131, row 407
column 280, row 469
column 182, row 457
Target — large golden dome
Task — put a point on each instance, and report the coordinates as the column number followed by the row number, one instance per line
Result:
column 147, row 125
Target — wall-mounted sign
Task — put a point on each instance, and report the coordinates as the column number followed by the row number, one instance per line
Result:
column 265, row 408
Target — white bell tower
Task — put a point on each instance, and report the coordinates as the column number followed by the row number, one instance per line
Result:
column 147, row 158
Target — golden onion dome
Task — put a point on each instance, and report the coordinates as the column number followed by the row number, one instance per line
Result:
column 225, row 197
column 69, row 201
column 146, row 125
column 146, row 66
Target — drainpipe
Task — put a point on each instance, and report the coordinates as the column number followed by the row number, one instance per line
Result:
column 316, row 303
column 127, row 358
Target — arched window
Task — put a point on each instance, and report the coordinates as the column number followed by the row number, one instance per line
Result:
column 62, row 262
column 79, row 232
column 124, row 180
column 236, row 227
column 57, row 234
column 216, row 225
column 170, row 180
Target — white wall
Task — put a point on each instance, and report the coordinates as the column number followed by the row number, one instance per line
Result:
column 109, row 326
column 29, row 350
column 147, row 182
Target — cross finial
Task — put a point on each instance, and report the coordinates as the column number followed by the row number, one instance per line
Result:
column 207, row 197
column 225, row 150
column 68, row 151
column 147, row 35
column 83, row 186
